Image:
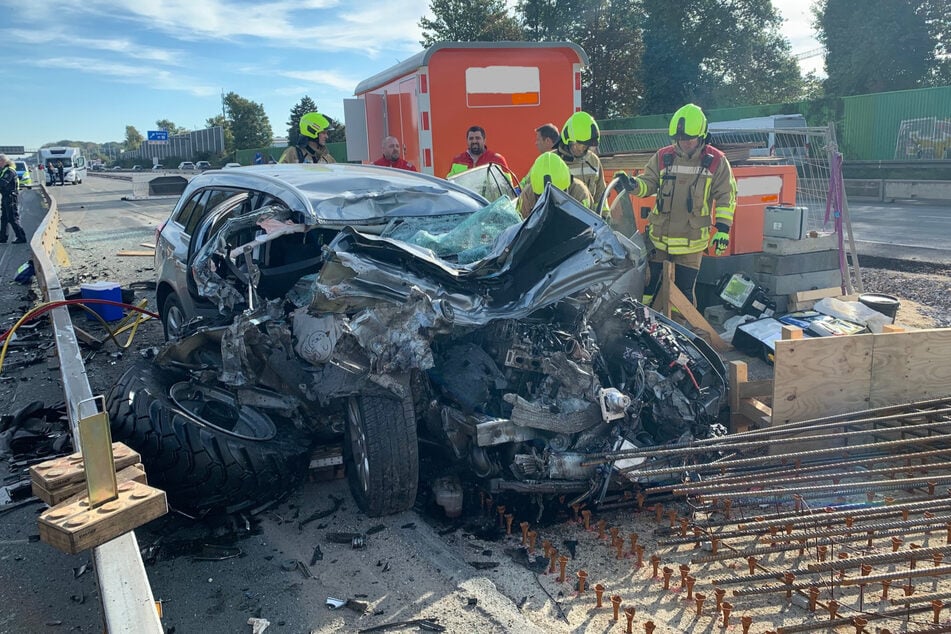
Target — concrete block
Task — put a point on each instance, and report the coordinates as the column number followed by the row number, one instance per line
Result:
column 713, row 268
column 788, row 284
column 774, row 264
column 784, row 246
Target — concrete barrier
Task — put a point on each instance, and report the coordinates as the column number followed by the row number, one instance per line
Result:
column 892, row 189
column 128, row 605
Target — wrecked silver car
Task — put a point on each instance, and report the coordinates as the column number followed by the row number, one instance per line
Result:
column 520, row 347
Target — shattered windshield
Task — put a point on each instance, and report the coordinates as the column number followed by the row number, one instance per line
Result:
column 463, row 238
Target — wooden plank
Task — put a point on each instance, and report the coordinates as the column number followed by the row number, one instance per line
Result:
column 68, row 470
column 74, row 527
column 819, row 293
column 753, row 389
column 756, row 411
column 791, row 332
column 131, row 252
column 892, row 328
column 911, row 366
column 739, row 372
column 76, row 490
column 821, row 376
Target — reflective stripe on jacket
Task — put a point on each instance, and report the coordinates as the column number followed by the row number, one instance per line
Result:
column 686, row 189
column 306, row 154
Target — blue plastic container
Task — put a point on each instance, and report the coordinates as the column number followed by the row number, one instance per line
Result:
column 103, row 290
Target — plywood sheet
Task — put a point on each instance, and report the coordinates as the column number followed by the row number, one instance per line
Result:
column 821, row 377
column 911, row 366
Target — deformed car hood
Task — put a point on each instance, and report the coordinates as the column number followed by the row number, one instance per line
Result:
column 559, row 250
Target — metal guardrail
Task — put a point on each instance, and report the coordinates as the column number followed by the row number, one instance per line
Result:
column 125, row 594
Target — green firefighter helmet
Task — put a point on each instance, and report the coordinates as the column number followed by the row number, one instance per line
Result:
column 549, row 168
column 580, row 128
column 688, row 122
column 312, row 124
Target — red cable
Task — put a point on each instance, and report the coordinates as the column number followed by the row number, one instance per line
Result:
column 42, row 310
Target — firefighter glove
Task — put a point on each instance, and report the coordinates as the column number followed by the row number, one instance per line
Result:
column 721, row 239
column 626, row 182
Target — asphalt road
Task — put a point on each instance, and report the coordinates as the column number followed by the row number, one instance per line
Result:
column 905, row 230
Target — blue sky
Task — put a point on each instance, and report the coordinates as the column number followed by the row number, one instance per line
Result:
column 84, row 69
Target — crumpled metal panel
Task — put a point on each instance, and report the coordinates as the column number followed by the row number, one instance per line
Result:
column 561, row 249
column 209, row 281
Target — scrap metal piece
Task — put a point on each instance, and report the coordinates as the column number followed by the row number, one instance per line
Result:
column 95, row 438
column 335, row 604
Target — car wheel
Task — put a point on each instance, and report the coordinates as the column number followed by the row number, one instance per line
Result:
column 382, row 454
column 199, row 444
column 173, row 317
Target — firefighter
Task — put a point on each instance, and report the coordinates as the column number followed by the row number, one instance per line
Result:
column 549, row 168
column 477, row 154
column 689, row 177
column 312, row 143
column 579, row 134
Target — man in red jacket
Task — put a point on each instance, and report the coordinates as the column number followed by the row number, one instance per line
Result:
column 391, row 155
column 477, row 154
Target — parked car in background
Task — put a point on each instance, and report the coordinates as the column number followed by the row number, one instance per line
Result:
column 136, row 168
column 202, row 165
column 23, row 174
column 157, row 166
column 186, row 166
column 230, row 165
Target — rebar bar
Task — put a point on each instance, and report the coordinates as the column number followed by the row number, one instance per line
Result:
column 934, row 571
column 918, row 554
column 765, row 478
column 781, row 471
column 871, row 616
column 763, row 550
column 897, row 508
column 874, row 485
column 852, row 533
column 923, row 597
column 799, row 455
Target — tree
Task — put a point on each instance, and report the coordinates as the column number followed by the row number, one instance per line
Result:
column 716, row 54
column 133, row 138
column 219, row 120
column 171, row 128
column 468, row 21
column 882, row 45
column 249, row 124
column 609, row 31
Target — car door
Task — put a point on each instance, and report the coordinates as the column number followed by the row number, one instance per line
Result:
column 490, row 181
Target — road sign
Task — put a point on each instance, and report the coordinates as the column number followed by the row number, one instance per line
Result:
column 11, row 149
column 158, row 135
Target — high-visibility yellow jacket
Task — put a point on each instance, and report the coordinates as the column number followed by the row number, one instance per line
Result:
column 306, row 154
column 687, row 188
column 587, row 168
column 577, row 190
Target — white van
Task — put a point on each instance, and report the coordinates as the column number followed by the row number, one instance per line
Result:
column 74, row 164
column 779, row 135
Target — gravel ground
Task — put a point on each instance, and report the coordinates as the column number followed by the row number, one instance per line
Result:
column 924, row 288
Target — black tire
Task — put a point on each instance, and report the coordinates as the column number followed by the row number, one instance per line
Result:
column 382, row 454
column 173, row 317
column 226, row 459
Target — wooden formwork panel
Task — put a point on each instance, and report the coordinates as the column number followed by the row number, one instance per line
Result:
column 821, row 376
column 911, row 366
column 824, row 376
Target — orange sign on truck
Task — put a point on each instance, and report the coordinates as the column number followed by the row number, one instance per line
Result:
column 429, row 101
